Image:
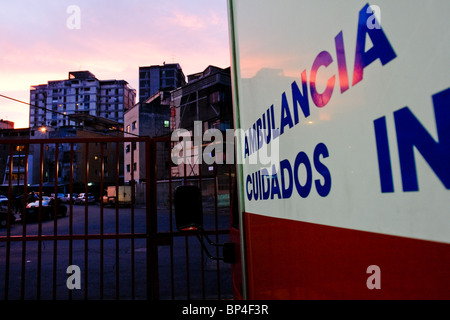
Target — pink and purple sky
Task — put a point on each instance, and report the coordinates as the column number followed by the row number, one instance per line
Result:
column 114, row 38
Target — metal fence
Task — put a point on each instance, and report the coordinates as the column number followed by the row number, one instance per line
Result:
column 97, row 251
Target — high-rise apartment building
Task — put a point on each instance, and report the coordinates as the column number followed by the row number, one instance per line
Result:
column 81, row 93
column 159, row 78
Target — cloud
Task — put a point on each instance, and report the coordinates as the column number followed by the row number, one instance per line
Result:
column 116, row 37
column 188, row 21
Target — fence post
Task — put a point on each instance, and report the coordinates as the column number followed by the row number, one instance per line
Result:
column 151, row 211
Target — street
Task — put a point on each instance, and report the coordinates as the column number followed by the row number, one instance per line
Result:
column 109, row 260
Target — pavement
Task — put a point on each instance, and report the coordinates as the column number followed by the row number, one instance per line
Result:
column 113, row 268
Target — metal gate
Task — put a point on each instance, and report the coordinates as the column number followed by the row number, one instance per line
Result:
column 102, row 250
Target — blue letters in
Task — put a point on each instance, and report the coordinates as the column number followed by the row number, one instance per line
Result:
column 299, row 98
column 303, row 191
column 411, row 133
column 275, row 184
column 322, row 190
column 384, row 157
column 381, row 49
column 286, row 186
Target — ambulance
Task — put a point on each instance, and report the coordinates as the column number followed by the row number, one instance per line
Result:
column 343, row 151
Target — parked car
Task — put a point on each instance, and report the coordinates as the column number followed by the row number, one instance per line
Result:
column 58, row 195
column 82, row 198
column 32, row 197
column 47, row 209
column 3, row 200
column 4, row 216
column 66, row 198
column 36, row 202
